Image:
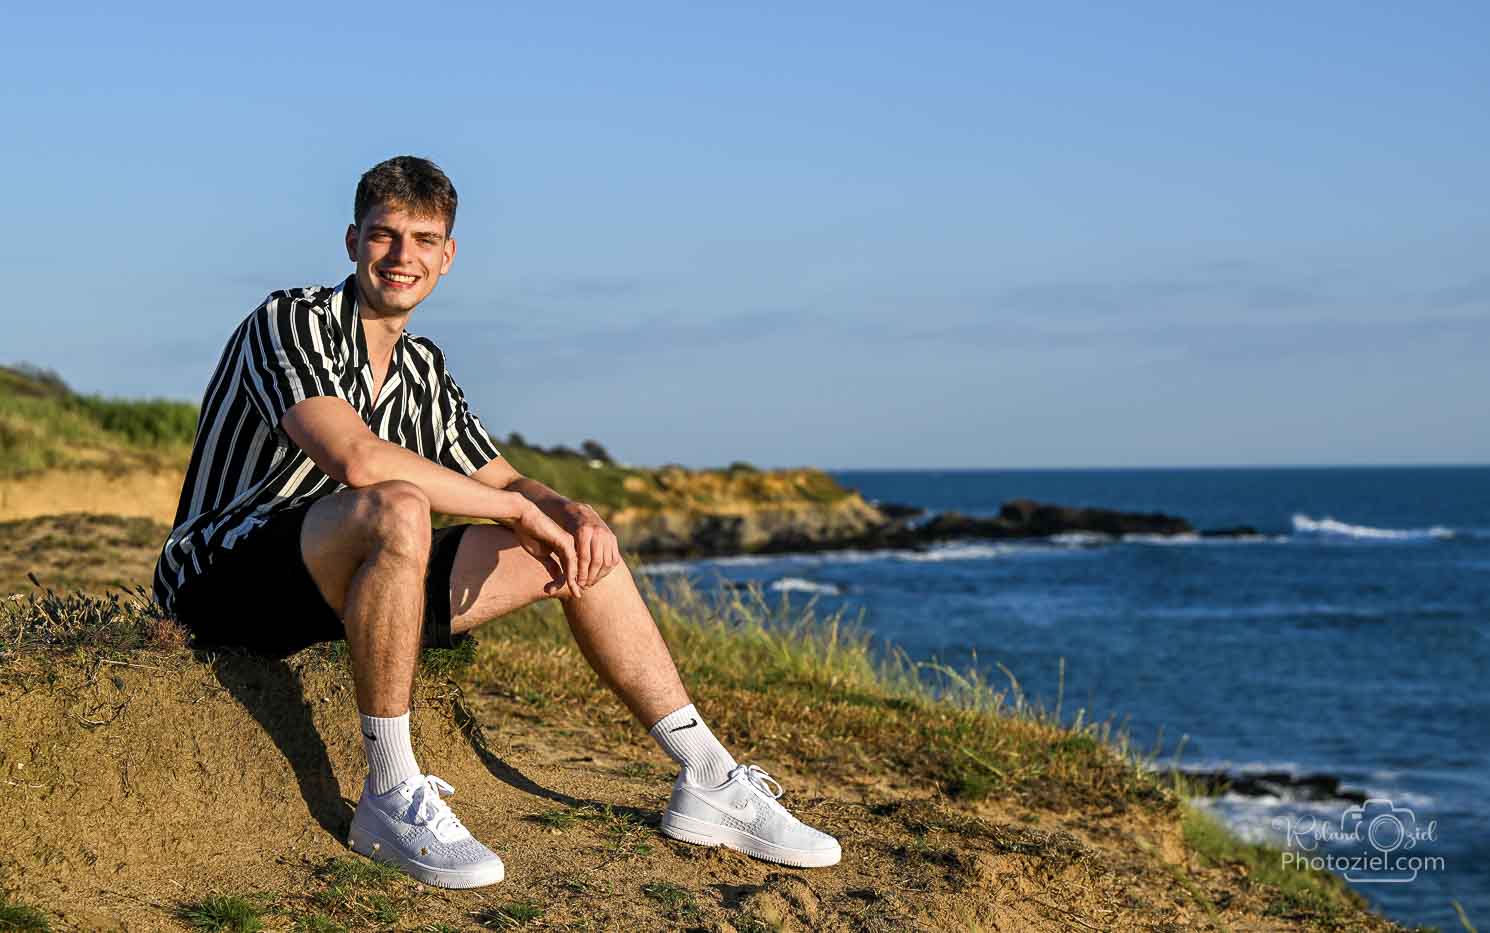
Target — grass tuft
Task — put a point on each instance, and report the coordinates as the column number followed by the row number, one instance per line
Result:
column 223, row 912
column 358, row 871
column 509, row 915
column 22, row 917
column 676, row 900
column 55, row 622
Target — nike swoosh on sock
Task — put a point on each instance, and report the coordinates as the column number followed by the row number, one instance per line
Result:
column 691, row 724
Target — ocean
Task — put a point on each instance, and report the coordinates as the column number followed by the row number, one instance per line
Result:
column 1351, row 637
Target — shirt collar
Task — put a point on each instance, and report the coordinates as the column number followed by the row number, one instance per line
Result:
column 350, row 325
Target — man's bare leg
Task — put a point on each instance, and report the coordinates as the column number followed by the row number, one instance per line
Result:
column 492, row 576
column 368, row 550
column 714, row 801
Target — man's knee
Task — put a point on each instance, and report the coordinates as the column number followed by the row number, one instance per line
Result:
column 393, row 517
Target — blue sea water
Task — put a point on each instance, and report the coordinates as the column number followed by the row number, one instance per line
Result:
column 1351, row 637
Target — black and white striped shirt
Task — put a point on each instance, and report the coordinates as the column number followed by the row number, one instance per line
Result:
column 302, row 343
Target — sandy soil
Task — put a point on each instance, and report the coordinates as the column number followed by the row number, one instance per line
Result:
column 149, row 494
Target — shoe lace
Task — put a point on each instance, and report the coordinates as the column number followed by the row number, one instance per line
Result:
column 760, row 780
column 427, row 809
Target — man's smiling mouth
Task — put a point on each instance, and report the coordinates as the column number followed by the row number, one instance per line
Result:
column 397, row 279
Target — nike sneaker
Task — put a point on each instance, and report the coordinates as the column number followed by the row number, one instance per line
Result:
column 412, row 828
column 744, row 814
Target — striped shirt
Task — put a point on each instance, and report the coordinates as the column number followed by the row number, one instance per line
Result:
column 302, row 343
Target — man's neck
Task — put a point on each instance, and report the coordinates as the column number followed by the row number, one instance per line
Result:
column 381, row 331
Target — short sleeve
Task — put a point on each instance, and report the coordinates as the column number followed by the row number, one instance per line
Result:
column 467, row 446
column 286, row 358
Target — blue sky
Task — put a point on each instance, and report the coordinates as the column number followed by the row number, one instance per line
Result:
column 841, row 234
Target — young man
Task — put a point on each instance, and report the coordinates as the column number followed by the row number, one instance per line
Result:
column 327, row 435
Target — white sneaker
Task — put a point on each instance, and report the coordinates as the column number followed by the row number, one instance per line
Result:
column 412, row 828
column 742, row 814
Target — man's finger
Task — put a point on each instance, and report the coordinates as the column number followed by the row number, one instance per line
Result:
column 555, row 572
column 612, row 557
column 572, row 563
column 584, row 548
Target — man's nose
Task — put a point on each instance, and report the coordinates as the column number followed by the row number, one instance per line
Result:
column 396, row 248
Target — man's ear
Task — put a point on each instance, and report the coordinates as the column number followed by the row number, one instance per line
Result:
column 449, row 255
column 352, row 242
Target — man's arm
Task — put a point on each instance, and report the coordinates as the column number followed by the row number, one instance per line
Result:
column 333, row 435
column 595, row 545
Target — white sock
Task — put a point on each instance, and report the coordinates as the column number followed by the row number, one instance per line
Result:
column 685, row 738
column 390, row 755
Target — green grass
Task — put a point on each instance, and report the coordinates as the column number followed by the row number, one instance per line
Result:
column 358, row 871
column 17, row 916
column 509, row 915
column 45, row 425
column 359, row 889
column 676, row 901
column 1296, row 892
column 223, row 912
column 317, row 923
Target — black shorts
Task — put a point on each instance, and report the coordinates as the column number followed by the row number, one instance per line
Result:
column 259, row 596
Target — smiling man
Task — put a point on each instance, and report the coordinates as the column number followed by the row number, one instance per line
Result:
column 327, row 435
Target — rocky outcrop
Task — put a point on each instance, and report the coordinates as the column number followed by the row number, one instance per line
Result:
column 744, row 529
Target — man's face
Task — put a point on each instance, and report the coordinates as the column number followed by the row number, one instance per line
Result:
column 399, row 257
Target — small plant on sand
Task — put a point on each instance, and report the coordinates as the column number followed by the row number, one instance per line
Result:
column 17, row 916
column 317, row 923
column 677, row 901
column 355, row 888
column 358, row 871
column 223, row 912
column 557, row 819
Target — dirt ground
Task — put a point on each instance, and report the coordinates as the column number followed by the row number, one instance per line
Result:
column 79, row 552
column 137, row 785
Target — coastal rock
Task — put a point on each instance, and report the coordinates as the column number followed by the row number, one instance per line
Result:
column 1281, row 784
column 1034, row 519
column 1234, row 531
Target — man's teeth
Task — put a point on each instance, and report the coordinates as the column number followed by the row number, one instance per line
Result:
column 401, row 279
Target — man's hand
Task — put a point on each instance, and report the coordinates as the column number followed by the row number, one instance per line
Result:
column 595, row 544
column 553, row 547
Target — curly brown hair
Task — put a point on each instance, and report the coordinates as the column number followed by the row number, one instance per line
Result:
column 409, row 182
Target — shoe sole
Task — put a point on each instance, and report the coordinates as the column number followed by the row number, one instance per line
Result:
column 687, row 829
column 379, row 849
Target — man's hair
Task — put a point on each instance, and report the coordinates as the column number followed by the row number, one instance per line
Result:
column 408, row 182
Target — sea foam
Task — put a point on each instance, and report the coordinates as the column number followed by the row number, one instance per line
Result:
column 800, row 585
column 1327, row 526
